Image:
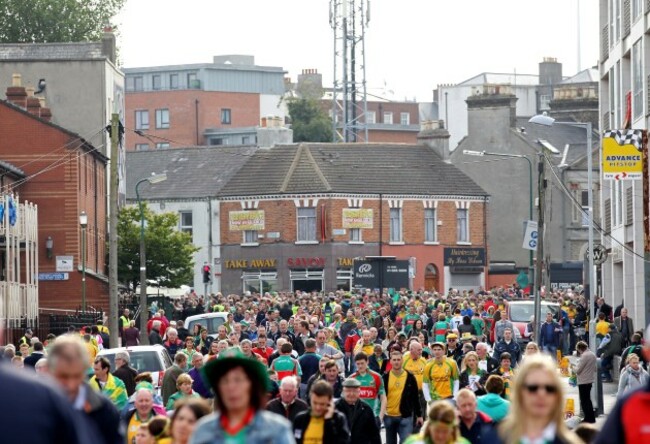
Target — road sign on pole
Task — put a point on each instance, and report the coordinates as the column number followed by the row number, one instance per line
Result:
column 600, row 254
column 530, row 236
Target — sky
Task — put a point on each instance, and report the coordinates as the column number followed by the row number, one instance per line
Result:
column 411, row 45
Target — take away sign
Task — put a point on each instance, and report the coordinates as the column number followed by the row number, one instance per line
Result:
column 623, row 154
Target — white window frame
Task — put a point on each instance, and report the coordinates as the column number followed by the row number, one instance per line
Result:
column 356, row 236
column 162, row 118
column 182, row 226
column 371, row 117
column 430, row 221
column 637, row 79
column 250, row 238
column 462, row 235
column 544, row 102
column 306, row 225
column 637, row 10
column 154, row 86
column 141, row 146
column 142, row 119
column 405, row 118
column 162, row 145
column 173, row 81
column 396, row 227
column 388, row 117
column 226, row 116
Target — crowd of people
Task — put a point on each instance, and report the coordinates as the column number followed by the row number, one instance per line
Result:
column 338, row 368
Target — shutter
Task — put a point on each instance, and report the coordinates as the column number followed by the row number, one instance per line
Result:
column 629, row 206
column 627, row 18
column 647, row 6
column 608, row 216
column 648, row 95
column 604, row 43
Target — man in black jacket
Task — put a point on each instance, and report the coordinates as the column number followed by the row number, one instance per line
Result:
column 361, row 419
column 124, row 371
column 288, row 404
column 402, row 404
column 322, row 417
column 31, row 360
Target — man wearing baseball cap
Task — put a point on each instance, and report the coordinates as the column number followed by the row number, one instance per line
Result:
column 361, row 419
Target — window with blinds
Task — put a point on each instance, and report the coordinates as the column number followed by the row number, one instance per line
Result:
column 608, row 215
column 629, row 206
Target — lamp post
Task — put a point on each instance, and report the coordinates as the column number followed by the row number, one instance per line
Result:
column 156, row 178
column 530, row 189
column 545, row 120
column 83, row 222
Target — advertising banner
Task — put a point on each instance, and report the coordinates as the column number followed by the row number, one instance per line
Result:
column 623, row 154
column 357, row 218
column 373, row 273
column 246, row 220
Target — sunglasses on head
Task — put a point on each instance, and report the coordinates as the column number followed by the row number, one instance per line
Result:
column 534, row 388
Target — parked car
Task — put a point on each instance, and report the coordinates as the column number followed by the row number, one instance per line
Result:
column 144, row 358
column 519, row 313
column 211, row 321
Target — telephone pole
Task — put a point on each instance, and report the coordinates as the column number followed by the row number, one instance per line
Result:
column 541, row 193
column 113, row 305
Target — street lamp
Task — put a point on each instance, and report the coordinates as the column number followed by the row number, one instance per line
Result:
column 530, row 188
column 155, row 178
column 546, row 120
column 83, row 222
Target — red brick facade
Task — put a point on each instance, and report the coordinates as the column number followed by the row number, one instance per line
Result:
column 184, row 128
column 63, row 179
column 280, row 216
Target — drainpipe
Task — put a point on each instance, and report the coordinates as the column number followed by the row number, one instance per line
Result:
column 210, row 259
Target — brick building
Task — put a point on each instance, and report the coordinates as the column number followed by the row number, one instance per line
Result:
column 294, row 217
column 219, row 103
column 64, row 175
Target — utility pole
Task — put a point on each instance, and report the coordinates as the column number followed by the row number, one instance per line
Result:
column 113, row 305
column 541, row 193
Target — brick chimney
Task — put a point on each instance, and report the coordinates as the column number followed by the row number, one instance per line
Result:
column 108, row 44
column 16, row 93
column 434, row 135
column 46, row 113
column 33, row 104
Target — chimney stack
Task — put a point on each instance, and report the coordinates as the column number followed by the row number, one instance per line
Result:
column 16, row 93
column 434, row 135
column 108, row 44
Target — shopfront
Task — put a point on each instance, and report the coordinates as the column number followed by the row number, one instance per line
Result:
column 283, row 268
column 465, row 268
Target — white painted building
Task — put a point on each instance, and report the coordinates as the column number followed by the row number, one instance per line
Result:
column 624, row 68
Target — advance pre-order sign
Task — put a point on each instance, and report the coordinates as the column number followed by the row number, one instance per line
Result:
column 623, row 154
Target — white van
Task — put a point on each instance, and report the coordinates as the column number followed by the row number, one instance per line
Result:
column 210, row 321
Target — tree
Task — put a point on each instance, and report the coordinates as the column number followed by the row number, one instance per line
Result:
column 168, row 251
column 43, row 21
column 309, row 121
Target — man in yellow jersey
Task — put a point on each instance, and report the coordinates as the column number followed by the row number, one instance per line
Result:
column 415, row 364
column 321, row 424
column 440, row 376
column 402, row 401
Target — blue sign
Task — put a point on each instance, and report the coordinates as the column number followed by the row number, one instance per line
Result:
column 53, row 276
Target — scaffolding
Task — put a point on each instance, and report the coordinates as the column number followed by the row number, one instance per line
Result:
column 349, row 20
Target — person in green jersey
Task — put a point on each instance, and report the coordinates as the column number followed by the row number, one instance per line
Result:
column 372, row 389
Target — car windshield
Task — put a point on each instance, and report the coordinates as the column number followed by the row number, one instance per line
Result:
column 142, row 361
column 210, row 324
column 523, row 312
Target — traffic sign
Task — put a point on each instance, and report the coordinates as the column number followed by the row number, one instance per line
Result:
column 530, row 236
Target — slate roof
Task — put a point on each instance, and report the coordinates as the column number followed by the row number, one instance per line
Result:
column 12, row 169
column 350, row 168
column 502, row 78
column 192, row 172
column 52, row 51
column 585, row 76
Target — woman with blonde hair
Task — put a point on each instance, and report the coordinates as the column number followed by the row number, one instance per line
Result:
column 471, row 376
column 536, row 410
column 531, row 349
column 441, row 427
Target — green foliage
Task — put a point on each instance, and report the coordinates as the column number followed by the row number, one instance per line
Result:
column 43, row 21
column 168, row 251
column 309, row 121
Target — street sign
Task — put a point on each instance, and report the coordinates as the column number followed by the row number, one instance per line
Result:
column 53, row 276
column 530, row 236
column 600, row 254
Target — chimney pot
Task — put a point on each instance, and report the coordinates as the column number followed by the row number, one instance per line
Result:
column 16, row 80
column 30, row 91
